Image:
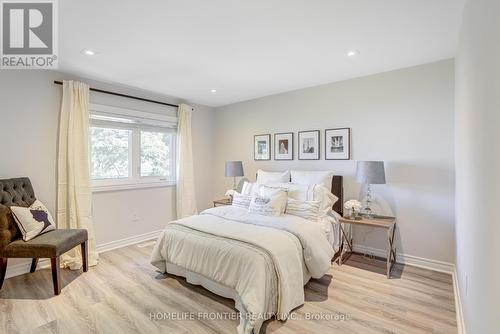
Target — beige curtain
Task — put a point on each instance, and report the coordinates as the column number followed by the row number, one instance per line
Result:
column 74, row 193
column 186, row 197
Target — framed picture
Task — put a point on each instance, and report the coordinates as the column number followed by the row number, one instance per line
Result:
column 262, row 147
column 283, row 146
column 309, row 145
column 338, row 144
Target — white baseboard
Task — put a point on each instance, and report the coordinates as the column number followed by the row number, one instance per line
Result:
column 127, row 241
column 24, row 267
column 458, row 304
column 411, row 260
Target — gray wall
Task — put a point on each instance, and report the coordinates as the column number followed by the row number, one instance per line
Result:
column 477, row 164
column 403, row 117
column 29, row 118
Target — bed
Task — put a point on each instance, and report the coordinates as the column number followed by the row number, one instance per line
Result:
column 260, row 262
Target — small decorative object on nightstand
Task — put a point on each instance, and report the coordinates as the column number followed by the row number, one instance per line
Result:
column 387, row 223
column 370, row 172
column 353, row 207
column 222, row 202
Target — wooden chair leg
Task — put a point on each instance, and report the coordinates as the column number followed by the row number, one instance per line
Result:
column 34, row 263
column 56, row 277
column 3, row 270
column 85, row 256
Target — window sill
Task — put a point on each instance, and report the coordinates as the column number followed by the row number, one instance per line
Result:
column 131, row 186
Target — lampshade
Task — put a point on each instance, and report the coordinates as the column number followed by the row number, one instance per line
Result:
column 234, row 168
column 370, row 172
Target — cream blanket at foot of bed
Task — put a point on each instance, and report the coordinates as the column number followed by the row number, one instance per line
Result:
column 262, row 258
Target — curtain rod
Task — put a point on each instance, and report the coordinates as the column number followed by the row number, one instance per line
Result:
column 124, row 95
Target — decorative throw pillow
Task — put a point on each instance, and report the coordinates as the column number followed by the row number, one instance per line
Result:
column 305, row 209
column 241, row 201
column 269, row 202
column 34, row 220
column 275, row 192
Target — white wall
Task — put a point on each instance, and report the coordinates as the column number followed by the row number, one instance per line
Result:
column 477, row 165
column 404, row 117
column 29, row 118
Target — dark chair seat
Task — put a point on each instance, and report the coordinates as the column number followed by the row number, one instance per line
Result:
column 47, row 245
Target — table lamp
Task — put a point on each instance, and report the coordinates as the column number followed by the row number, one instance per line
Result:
column 234, row 169
column 370, row 172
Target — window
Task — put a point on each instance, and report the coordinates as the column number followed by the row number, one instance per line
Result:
column 155, row 150
column 131, row 149
column 110, row 153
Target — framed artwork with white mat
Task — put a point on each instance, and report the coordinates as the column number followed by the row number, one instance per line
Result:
column 283, row 146
column 262, row 147
column 338, row 144
column 309, row 145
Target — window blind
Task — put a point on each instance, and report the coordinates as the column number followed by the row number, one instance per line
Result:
column 105, row 115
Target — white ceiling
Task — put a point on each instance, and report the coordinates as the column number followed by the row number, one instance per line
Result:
column 250, row 48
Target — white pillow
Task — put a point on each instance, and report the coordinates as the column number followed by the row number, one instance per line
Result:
column 250, row 188
column 269, row 202
column 301, row 192
column 326, row 199
column 313, row 177
column 34, row 220
column 305, row 209
column 264, row 177
column 241, row 201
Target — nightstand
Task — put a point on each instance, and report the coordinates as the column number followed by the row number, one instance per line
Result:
column 222, row 202
column 383, row 222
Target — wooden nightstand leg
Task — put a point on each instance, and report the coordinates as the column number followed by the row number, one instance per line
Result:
column 389, row 253
column 341, row 246
column 393, row 244
column 348, row 241
column 391, row 250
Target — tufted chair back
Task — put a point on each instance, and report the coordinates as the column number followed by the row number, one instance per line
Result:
column 13, row 192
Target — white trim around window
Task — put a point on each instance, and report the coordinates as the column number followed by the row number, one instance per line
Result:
column 118, row 186
column 137, row 123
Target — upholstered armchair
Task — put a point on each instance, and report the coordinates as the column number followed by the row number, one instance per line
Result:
column 19, row 192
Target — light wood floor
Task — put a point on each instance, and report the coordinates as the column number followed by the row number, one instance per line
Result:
column 119, row 295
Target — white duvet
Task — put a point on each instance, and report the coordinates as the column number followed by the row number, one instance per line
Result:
column 264, row 259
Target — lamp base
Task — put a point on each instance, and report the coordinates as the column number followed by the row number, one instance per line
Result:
column 367, row 213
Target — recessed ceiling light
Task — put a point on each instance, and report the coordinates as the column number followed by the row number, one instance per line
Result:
column 213, row 91
column 88, row 52
column 352, row 53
